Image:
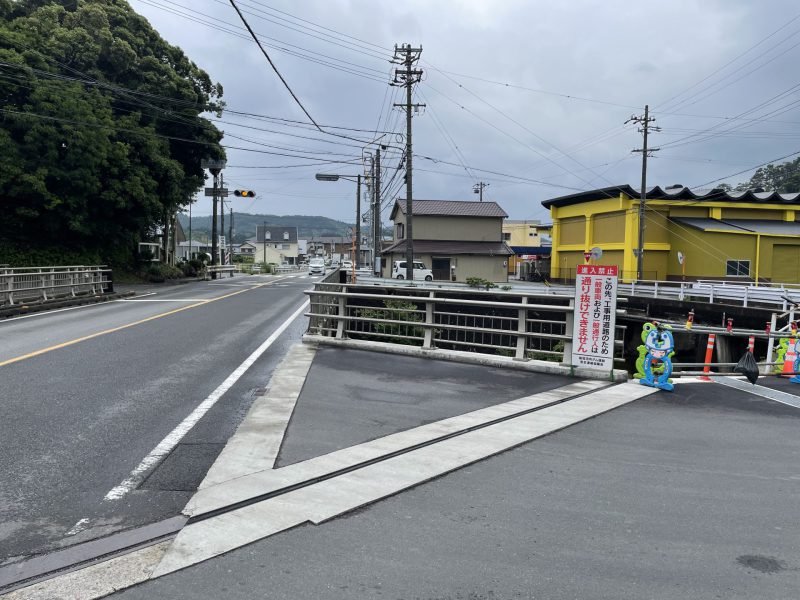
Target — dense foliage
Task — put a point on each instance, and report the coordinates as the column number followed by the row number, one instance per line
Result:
column 784, row 178
column 100, row 127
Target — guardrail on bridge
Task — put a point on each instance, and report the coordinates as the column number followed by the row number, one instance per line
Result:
column 32, row 284
column 514, row 324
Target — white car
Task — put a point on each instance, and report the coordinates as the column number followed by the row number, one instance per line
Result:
column 316, row 266
column 347, row 265
column 421, row 272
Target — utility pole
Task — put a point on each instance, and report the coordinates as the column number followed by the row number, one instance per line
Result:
column 222, row 219
column 214, row 224
column 265, row 246
column 356, row 261
column 230, row 236
column 644, row 129
column 407, row 56
column 215, row 166
column 376, row 212
column 478, row 189
column 190, row 230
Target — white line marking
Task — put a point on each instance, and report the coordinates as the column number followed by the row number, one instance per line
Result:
column 169, row 300
column 78, row 527
column 760, row 390
column 168, row 443
column 44, row 313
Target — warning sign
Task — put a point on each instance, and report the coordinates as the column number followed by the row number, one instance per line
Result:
column 595, row 317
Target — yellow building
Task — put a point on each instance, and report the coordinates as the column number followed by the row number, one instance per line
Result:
column 738, row 236
column 526, row 241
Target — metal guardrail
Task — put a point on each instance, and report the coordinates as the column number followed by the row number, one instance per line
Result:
column 32, row 284
column 519, row 325
column 714, row 291
column 219, row 269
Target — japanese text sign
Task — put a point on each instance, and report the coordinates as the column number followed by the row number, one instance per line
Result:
column 595, row 317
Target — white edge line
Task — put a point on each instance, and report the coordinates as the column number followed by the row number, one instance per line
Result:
column 166, row 300
column 168, row 443
column 78, row 527
column 763, row 391
column 44, row 313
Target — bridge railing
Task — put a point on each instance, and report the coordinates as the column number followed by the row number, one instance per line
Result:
column 740, row 294
column 39, row 284
column 519, row 325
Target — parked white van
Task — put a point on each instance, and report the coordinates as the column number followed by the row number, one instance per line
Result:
column 421, row 272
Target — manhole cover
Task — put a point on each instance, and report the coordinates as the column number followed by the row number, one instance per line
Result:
column 764, row 564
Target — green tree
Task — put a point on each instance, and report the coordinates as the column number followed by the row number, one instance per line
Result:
column 784, row 178
column 100, row 123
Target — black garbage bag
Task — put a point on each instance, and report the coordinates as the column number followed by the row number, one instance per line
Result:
column 748, row 367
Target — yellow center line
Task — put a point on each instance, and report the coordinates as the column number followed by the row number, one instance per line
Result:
column 127, row 325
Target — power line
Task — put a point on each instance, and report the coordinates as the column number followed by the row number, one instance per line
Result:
column 272, row 64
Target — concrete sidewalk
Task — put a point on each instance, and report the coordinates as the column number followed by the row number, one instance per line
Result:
column 669, row 495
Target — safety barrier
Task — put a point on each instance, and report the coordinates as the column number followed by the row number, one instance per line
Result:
column 739, row 294
column 519, row 325
column 40, row 284
column 213, row 270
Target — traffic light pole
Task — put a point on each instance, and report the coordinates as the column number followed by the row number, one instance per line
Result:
column 215, row 172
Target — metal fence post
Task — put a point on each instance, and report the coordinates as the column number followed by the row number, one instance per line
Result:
column 342, row 323
column 522, row 328
column 569, row 324
column 770, row 342
column 428, row 340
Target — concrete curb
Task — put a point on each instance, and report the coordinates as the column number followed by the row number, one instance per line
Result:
column 486, row 360
column 25, row 309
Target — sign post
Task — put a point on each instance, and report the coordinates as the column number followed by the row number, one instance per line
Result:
column 595, row 317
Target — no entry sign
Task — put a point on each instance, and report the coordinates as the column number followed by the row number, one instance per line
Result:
column 595, row 317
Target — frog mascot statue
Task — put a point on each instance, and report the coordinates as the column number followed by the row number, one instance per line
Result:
column 654, row 365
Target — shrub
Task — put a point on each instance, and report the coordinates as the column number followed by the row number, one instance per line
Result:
column 159, row 272
column 398, row 310
column 480, row 282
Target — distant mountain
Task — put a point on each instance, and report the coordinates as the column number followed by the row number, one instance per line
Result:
column 245, row 225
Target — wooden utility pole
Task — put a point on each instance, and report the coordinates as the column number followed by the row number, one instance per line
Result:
column 376, row 213
column 644, row 129
column 355, row 259
column 478, row 189
column 407, row 56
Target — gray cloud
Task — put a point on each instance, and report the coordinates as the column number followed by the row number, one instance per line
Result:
column 612, row 57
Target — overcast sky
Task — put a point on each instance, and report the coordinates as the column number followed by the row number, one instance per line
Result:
column 567, row 75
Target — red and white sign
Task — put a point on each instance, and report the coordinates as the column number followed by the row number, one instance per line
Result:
column 595, row 317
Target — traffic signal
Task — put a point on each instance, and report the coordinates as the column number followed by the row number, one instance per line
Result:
column 244, row 193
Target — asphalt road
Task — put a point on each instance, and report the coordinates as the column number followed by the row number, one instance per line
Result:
column 88, row 393
column 685, row 495
column 391, row 393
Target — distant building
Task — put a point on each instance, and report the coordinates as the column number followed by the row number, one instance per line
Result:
column 689, row 234
column 275, row 244
column 530, row 242
column 455, row 239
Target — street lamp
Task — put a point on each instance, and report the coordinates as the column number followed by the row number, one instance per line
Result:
column 357, row 244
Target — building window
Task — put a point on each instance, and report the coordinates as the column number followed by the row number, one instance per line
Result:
column 506, row 237
column 268, row 234
column 401, row 231
column 284, row 246
column 534, row 234
column 286, row 233
column 737, row 268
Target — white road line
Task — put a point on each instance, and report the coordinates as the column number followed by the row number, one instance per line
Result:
column 168, row 443
column 78, row 527
column 760, row 390
column 169, row 300
column 58, row 310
